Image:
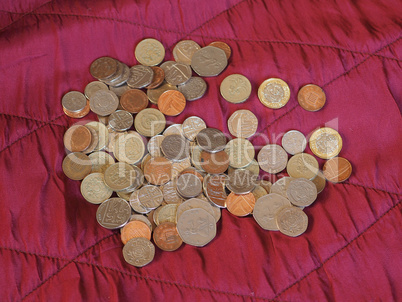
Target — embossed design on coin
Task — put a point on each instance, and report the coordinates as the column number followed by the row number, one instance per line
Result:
column 214, row 188
column 192, row 126
column 154, row 145
column 140, row 76
column 266, row 208
column 241, row 152
column 134, row 100
column 259, row 191
column 149, row 52
column 209, row 61
column 291, row 221
column 149, row 122
column 325, row 143
column 136, row 205
column 103, row 68
column 129, row 148
column 214, row 163
column 120, row 176
column 139, row 252
column 243, row 123
column 74, row 101
column 166, row 237
column 196, row 227
column 302, row 165
column 158, row 78
column 240, row 205
column 167, row 213
column 76, row 165
column 93, row 87
column 174, row 129
column 77, row 138
column 241, row 181
column 150, row 196
column 135, row 229
column 222, row 45
column 311, row 97
column 319, row 182
column 193, row 89
column 337, row 169
column 301, row 192
column 192, row 204
column 281, row 185
column 170, row 194
column 175, row 147
column 104, row 102
column 102, row 132
column 274, row 93
column 113, row 213
column 179, row 167
column 171, row 102
column 235, row 88
column 211, row 140
column 272, row 158
column 158, row 170
column 121, row 120
column 184, row 50
column 189, row 185
column 154, row 94
column 94, row 190
column 176, row 73
column 100, row 161
column 294, row 142
column 144, row 219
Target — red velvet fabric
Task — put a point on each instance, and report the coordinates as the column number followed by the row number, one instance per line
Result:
column 51, row 247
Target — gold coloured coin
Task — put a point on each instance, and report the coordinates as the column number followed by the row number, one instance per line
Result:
column 103, row 134
column 291, row 221
column 235, row 88
column 149, row 122
column 274, row 93
column 243, row 123
column 149, row 52
column 94, row 190
column 241, row 152
column 100, row 161
column 129, row 148
column 325, row 143
column 302, row 165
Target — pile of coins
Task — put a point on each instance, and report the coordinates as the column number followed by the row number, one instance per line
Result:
column 172, row 182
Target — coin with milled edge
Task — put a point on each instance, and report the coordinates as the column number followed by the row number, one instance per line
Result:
column 311, row 97
column 211, row 140
column 196, row 227
column 102, row 132
column 103, row 67
column 222, row 45
column 325, row 143
column 302, row 165
column 235, row 88
column 281, row 185
column 120, row 176
column 189, row 185
column 294, row 142
column 291, row 221
column 171, row 102
column 154, row 94
column 74, row 101
column 241, row 181
column 337, row 169
column 192, row 126
column 175, row 147
column 209, row 61
column 134, row 100
column 193, row 89
column 265, row 209
column 158, row 78
column 176, row 73
column 274, row 93
column 301, row 192
column 272, row 158
column 319, row 182
column 94, row 190
column 129, row 148
column 158, row 170
column 77, row 138
column 139, row 252
column 243, row 123
column 166, row 237
column 184, row 51
column 121, row 120
column 154, row 145
column 135, row 229
column 104, row 102
column 150, row 122
column 136, row 205
column 76, row 165
column 150, row 196
column 241, row 152
column 113, row 213
column 140, row 76
column 149, row 52
column 240, row 204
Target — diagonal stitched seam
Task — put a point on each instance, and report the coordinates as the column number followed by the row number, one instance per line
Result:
column 68, row 263
column 30, row 119
column 2, row 30
column 338, row 251
column 33, row 131
column 18, row 251
column 370, row 188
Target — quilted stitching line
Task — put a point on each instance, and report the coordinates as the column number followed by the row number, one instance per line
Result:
column 371, row 188
column 338, row 251
column 29, row 119
column 18, row 251
column 68, row 263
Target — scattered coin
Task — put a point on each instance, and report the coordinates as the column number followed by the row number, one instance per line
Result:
column 214, row 189
column 166, row 237
column 240, row 204
column 176, row 73
column 291, row 221
column 154, row 94
column 241, row 152
column 192, row 126
column 209, row 61
column 77, row 138
column 149, row 52
column 94, row 190
column 252, row 167
column 241, row 181
column 274, row 93
column 193, row 89
column 222, row 45
column 265, row 184
column 154, row 145
column 100, row 161
column 144, row 219
column 174, row 129
column 175, row 147
column 325, row 143
column 235, row 88
column 311, row 97
column 135, row 229
column 136, row 204
column 301, row 192
column 242, row 124
column 272, row 158
column 139, row 252
column 337, row 169
column 266, row 208
column 158, row 170
column 258, row 192
column 214, row 163
column 103, row 68
column 179, row 166
column 194, row 203
column 294, row 142
column 167, row 213
column 211, row 140
column 319, row 182
column 93, row 87
column 94, row 141
column 140, row 76
column 75, row 104
column 104, row 102
column 149, row 122
column 150, row 196
column 120, row 176
column 113, row 213
column 121, row 120
column 281, row 185
column 134, row 100
column 102, row 133
column 189, row 185
column 158, row 78
column 119, row 90
column 171, row 102
column 302, row 165
column 76, row 166
column 129, row 148
column 184, row 51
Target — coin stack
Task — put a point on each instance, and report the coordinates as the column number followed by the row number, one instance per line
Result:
column 169, row 184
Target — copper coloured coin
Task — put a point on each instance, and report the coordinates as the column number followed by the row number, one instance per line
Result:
column 214, row 189
column 135, row 229
column 103, row 67
column 211, row 140
column 311, row 97
column 214, row 163
column 157, row 80
column 171, row 102
column 240, row 204
column 222, row 45
column 76, row 166
column 166, row 237
column 77, row 138
column 134, row 100
column 337, row 169
column 158, row 170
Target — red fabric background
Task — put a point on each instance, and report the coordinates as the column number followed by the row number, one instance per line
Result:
column 51, row 247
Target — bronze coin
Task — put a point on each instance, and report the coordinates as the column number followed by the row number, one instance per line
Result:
column 214, row 189
column 135, row 229
column 76, row 166
column 311, row 97
column 134, row 100
column 158, row 170
column 171, row 102
column 154, row 94
column 94, row 141
column 337, row 169
column 222, row 45
column 157, row 80
column 166, row 237
column 175, row 147
column 77, row 138
column 214, row 163
column 211, row 140
column 192, row 170
column 113, row 213
column 78, row 114
column 140, row 76
column 103, row 67
column 240, row 205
